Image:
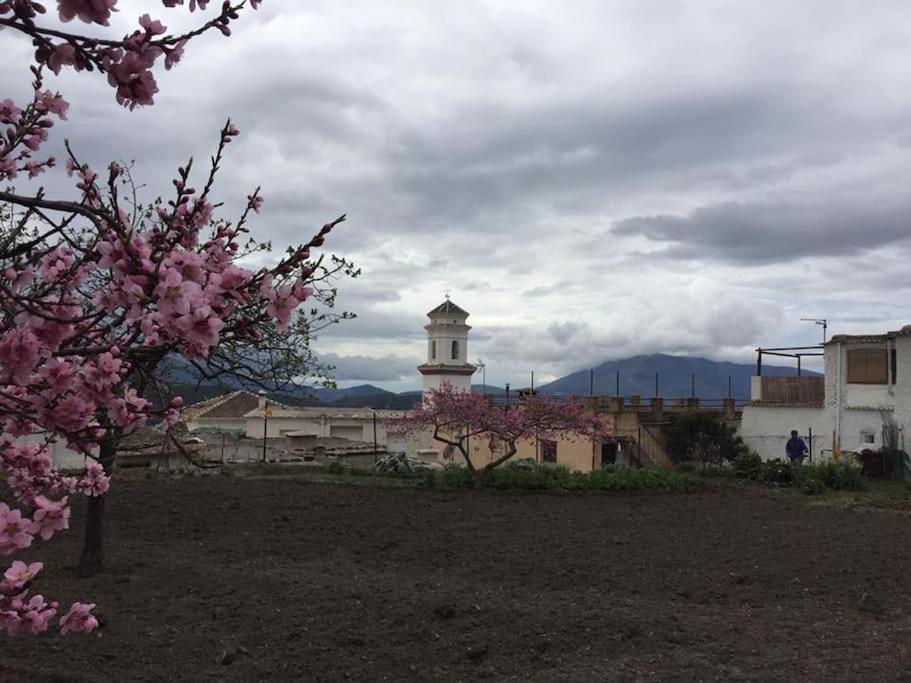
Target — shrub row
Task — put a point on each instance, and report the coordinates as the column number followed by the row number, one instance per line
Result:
column 521, row 476
column 809, row 478
column 556, row 478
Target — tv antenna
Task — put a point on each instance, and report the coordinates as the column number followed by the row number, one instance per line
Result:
column 819, row 321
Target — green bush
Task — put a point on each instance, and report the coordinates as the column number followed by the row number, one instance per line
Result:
column 811, row 479
column 837, row 476
column 748, row 465
column 811, row 486
column 777, row 472
column 558, row 478
column 702, row 436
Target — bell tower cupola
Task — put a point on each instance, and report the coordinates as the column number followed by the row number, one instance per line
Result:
column 447, row 349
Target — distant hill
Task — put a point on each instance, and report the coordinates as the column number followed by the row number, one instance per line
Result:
column 637, row 376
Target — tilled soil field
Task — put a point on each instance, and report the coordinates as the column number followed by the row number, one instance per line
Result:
column 279, row 578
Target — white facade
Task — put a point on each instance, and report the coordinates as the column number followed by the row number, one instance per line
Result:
column 447, row 349
column 852, row 414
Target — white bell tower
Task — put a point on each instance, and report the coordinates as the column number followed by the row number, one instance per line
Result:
column 447, row 349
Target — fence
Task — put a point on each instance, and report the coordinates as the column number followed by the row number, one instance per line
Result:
column 793, row 390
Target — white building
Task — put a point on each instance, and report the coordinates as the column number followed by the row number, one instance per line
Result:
column 866, row 387
column 354, row 424
column 447, row 349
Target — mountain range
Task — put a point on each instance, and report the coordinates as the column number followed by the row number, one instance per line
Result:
column 676, row 375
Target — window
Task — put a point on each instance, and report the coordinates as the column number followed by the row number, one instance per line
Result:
column 868, row 366
column 548, row 450
column 893, row 362
column 867, row 437
column 433, row 350
column 609, row 454
column 455, row 350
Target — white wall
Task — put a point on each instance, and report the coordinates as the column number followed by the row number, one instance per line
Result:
column 316, row 425
column 766, row 429
column 458, row 382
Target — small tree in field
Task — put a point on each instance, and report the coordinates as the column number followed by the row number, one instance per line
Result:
column 458, row 417
column 703, row 436
column 97, row 291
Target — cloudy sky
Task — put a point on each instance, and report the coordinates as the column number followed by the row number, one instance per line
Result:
column 591, row 180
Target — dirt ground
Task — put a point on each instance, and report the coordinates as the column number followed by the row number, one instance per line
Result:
column 224, row 578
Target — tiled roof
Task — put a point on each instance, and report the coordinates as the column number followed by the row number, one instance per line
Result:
column 870, row 338
column 327, row 411
column 859, row 338
column 447, row 307
column 233, row 405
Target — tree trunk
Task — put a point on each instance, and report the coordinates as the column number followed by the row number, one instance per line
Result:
column 479, row 477
column 92, row 559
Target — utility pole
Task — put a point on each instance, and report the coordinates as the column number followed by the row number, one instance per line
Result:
column 374, row 438
column 266, row 413
column 483, row 377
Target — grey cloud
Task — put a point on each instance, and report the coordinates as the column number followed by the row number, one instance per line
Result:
column 765, row 232
column 490, row 147
column 388, row 368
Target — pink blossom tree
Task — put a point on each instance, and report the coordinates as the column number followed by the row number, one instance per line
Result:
column 97, row 291
column 457, row 417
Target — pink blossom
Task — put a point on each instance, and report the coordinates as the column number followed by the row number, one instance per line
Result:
column 133, row 80
column 79, row 619
column 174, row 55
column 153, row 28
column 19, row 278
column 95, row 482
column 32, row 616
column 281, row 308
column 54, row 103
column 9, row 112
column 19, row 351
column 301, row 291
column 18, row 575
column 14, row 530
column 89, row 11
column 49, row 517
column 63, row 54
column 71, row 413
column 201, row 329
column 129, row 412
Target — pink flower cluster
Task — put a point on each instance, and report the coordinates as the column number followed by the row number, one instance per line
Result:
column 128, row 63
column 20, row 613
column 457, row 415
column 28, row 129
column 92, row 305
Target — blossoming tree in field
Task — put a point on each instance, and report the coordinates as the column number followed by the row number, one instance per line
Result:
column 457, row 417
column 97, row 291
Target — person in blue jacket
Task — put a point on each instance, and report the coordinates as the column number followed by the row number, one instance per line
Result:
column 796, row 449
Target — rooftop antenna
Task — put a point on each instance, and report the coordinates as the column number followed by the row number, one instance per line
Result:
column 818, row 321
